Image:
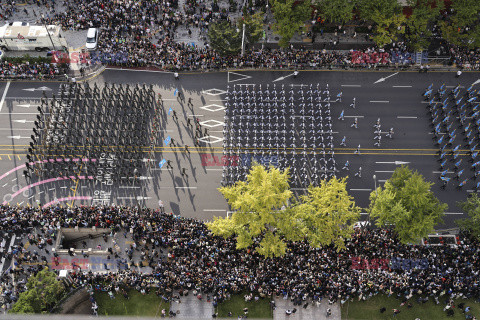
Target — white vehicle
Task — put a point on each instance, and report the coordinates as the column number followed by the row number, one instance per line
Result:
column 92, row 39
column 27, row 38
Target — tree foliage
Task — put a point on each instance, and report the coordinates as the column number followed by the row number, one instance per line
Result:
column 328, row 213
column 462, row 26
column 407, row 203
column 43, row 291
column 337, row 11
column 265, row 220
column 472, row 207
column 387, row 17
column 257, row 204
column 225, row 38
column 419, row 24
column 253, row 26
column 290, row 17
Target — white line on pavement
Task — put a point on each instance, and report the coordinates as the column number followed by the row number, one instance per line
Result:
column 351, row 85
column 405, row 117
column 353, row 116
column 437, row 133
column 216, row 210
column 221, row 100
column 379, row 101
column 4, row 95
column 152, row 71
column 214, row 169
column 382, row 180
column 441, row 172
column 402, row 86
column 185, row 187
column 453, row 212
column 129, row 187
column 169, row 99
column 195, row 115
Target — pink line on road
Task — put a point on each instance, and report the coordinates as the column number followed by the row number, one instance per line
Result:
column 37, row 184
column 67, row 199
column 32, row 163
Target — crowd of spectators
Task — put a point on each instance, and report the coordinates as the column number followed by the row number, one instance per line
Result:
column 185, row 257
column 30, row 71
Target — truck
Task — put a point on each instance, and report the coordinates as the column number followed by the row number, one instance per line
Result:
column 27, row 38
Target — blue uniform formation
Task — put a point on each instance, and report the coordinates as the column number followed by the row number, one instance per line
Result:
column 284, row 126
column 455, row 117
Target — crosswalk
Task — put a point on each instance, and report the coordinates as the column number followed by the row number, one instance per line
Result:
column 6, row 247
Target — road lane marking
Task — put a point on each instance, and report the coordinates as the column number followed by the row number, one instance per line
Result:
column 405, row 117
column 215, row 210
column 4, row 95
column 384, row 101
column 402, row 86
column 351, row 85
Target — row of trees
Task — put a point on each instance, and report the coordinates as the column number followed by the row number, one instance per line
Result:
column 460, row 27
column 267, row 215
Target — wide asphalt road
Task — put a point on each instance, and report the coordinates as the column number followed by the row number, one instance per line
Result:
column 397, row 101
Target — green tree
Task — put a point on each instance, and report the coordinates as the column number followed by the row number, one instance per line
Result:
column 253, row 26
column 290, row 18
column 43, row 291
column 387, row 17
column 262, row 217
column 389, row 29
column 328, row 213
column 337, row 11
column 461, row 27
column 418, row 25
column 225, row 38
column 472, row 208
column 407, row 203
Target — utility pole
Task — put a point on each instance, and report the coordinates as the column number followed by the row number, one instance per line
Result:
column 48, row 32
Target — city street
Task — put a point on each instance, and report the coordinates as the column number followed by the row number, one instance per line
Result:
column 395, row 98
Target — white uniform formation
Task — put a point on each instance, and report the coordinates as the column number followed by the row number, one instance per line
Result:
column 283, row 126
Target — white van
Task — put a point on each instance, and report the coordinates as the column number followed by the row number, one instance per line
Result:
column 92, row 38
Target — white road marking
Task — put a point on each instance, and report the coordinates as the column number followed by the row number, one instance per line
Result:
column 51, row 189
column 4, row 95
column 169, row 99
column 382, row 180
column 437, row 133
column 379, row 101
column 453, row 212
column 441, row 172
column 354, row 116
column 360, row 189
column 14, row 179
column 214, row 169
column 5, row 184
column 185, row 187
column 218, row 100
column 41, row 192
column 153, row 71
column 215, row 210
column 128, row 187
column 405, row 117
column 195, row 115
column 351, row 85
column 402, row 86
column 31, row 197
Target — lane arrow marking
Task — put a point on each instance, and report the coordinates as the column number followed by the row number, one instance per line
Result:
column 23, row 121
column 283, row 78
column 395, row 162
column 383, row 79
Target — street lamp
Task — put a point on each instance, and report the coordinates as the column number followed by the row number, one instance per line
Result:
column 48, row 32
